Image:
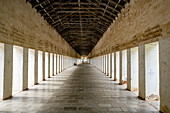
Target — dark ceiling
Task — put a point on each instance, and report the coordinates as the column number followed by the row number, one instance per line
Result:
column 80, row 22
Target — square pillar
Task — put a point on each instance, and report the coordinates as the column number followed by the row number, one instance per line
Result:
column 100, row 60
column 105, row 64
column 129, row 69
column 164, row 61
column 36, row 68
column 1, row 69
column 40, row 66
column 25, row 69
column 120, row 68
column 53, row 64
column 43, row 66
column 142, row 80
column 8, row 71
column 110, row 65
column 115, row 66
column 56, row 64
column 49, row 65
column 59, row 63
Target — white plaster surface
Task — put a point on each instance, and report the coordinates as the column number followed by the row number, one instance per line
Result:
column 40, row 66
column 25, row 68
column 17, row 69
column 58, row 63
column 134, row 68
column 113, row 65
column 124, row 65
column 31, row 65
column 1, row 68
column 51, row 64
column 46, row 65
column 117, row 66
column 108, row 64
column 129, row 69
column 55, row 64
column 142, row 76
column 8, row 70
column 152, row 68
column 164, row 57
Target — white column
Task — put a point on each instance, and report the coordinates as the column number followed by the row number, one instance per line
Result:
column 142, row 80
column 152, row 69
column 56, row 64
column 43, row 65
column 1, row 69
column 129, row 69
column 49, row 65
column 164, row 60
column 8, row 71
column 134, row 69
column 40, row 66
column 25, row 69
column 115, row 66
column 53, row 65
column 105, row 64
column 110, row 65
column 120, row 68
column 36, row 68
column 59, row 64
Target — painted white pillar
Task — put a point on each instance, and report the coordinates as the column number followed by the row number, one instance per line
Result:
column 164, row 61
column 36, row 68
column 105, row 64
column 8, row 71
column 1, row 69
column 152, row 69
column 43, row 66
column 120, row 68
column 101, row 63
column 59, row 64
column 53, row 65
column 56, row 64
column 124, row 66
column 115, row 66
column 110, row 65
column 49, row 65
column 40, row 66
column 134, row 69
column 142, row 80
column 25, row 69
column 129, row 69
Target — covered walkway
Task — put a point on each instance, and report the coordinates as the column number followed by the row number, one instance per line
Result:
column 78, row 89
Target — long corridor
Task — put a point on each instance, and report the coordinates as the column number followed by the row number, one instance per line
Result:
column 78, row 89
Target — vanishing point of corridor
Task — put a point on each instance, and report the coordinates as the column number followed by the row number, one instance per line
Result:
column 78, row 89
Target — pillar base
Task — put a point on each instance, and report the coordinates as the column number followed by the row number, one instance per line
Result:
column 120, row 83
column 7, row 98
column 141, row 98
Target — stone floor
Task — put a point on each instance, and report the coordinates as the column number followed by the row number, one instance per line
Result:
column 79, row 89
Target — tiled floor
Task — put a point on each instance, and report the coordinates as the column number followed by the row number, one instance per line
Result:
column 78, row 89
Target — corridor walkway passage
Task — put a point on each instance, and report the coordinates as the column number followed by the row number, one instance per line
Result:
column 78, row 89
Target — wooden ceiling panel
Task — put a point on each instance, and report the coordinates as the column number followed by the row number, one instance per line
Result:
column 80, row 22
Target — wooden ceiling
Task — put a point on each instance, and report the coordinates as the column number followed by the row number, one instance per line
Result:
column 80, row 22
